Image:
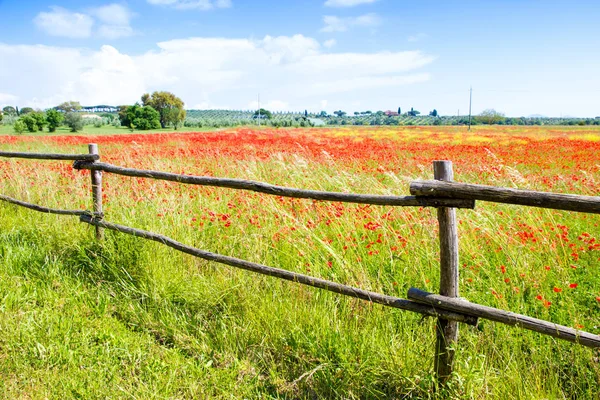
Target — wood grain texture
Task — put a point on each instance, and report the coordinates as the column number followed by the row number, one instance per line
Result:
column 505, row 317
column 96, row 177
column 385, row 300
column 447, row 331
column 556, row 201
column 278, row 190
column 50, row 156
column 43, row 209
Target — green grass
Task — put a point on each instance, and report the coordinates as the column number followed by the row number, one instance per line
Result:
column 128, row 318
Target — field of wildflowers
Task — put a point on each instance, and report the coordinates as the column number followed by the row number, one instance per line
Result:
column 128, row 318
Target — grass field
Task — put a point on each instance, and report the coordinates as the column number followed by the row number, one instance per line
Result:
column 132, row 319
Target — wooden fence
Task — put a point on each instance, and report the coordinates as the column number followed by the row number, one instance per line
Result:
column 442, row 193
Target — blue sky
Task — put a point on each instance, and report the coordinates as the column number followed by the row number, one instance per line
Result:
column 521, row 57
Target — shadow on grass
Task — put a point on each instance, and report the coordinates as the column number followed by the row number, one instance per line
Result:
column 193, row 321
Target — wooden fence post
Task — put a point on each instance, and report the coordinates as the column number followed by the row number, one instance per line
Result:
column 447, row 331
column 97, row 192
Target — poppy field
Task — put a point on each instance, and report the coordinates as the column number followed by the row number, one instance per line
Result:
column 128, row 318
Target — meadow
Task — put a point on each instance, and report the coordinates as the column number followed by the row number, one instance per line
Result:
column 128, row 318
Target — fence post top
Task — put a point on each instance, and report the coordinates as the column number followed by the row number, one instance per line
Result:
column 442, row 170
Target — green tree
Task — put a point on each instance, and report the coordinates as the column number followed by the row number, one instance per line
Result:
column 122, row 113
column 40, row 119
column 169, row 107
column 19, row 127
column 9, row 110
column 74, row 121
column 54, row 119
column 69, row 106
column 434, row 113
column 340, row 113
column 266, row 114
column 26, row 110
column 490, row 117
column 143, row 118
column 413, row 112
column 399, row 111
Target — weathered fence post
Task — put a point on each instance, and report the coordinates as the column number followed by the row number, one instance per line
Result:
column 96, row 192
column 447, row 331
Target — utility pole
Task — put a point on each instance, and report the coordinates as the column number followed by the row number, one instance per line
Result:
column 470, row 102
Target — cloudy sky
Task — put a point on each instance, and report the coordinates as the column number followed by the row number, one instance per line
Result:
column 521, row 57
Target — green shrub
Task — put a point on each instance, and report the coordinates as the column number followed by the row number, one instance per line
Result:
column 74, row 121
column 19, row 126
column 30, row 122
column 143, row 118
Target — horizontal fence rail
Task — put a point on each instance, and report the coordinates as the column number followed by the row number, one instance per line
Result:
column 262, row 187
column 43, row 209
column 284, row 274
column 463, row 191
column 50, row 156
column 505, row 317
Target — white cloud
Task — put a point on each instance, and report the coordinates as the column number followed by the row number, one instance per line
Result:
column 115, row 19
column 365, row 82
column 290, row 72
column 70, row 74
column 7, row 99
column 113, row 14
column 202, row 5
column 286, row 49
column 114, row 22
column 62, row 22
column 339, row 24
column 347, row 3
column 330, row 43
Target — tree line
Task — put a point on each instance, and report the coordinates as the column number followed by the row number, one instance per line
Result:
column 157, row 110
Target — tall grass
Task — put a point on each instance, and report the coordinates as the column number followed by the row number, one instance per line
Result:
column 131, row 318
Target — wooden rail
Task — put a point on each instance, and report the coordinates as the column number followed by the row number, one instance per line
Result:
column 442, row 193
column 505, row 317
column 556, row 201
column 261, row 187
column 50, row 156
column 282, row 273
column 43, row 209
